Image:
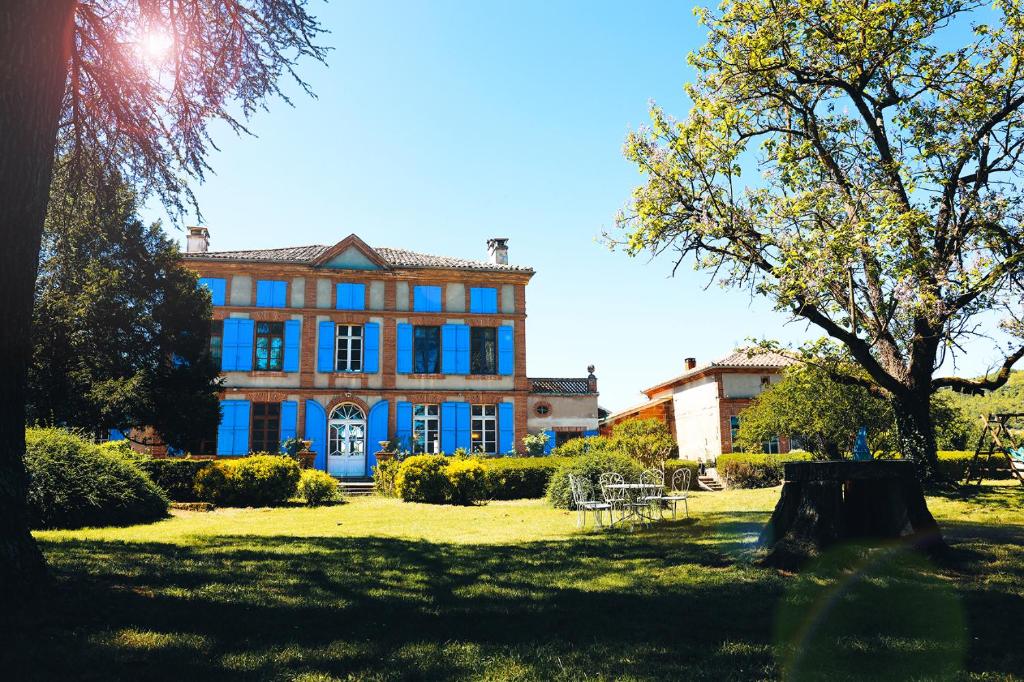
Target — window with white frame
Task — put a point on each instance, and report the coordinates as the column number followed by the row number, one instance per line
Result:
column 771, row 446
column 484, row 432
column 734, row 432
column 349, row 348
column 426, row 429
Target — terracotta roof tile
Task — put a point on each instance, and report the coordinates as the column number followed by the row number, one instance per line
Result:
column 735, row 360
column 572, row 386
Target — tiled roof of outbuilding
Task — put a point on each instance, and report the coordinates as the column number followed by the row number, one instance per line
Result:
column 572, row 386
column 736, row 360
column 398, row 258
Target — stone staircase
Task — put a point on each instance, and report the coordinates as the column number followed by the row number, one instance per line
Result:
column 710, row 481
column 355, row 487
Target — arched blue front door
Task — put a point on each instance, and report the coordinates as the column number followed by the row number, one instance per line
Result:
column 316, row 431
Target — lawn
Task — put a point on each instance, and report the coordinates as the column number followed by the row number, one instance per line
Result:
column 378, row 589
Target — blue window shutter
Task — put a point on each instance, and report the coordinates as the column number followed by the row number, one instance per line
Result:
column 463, row 434
column 354, row 296
column 591, row 433
column 435, row 299
column 483, row 300
column 449, row 421
column 343, row 296
column 552, row 439
column 462, row 349
column 316, row 431
column 246, row 330
column 241, row 439
column 449, row 349
column 264, row 293
column 217, row 288
column 376, row 431
column 506, row 352
column 506, row 428
column 426, row 299
column 403, row 426
column 371, row 347
column 325, row 348
column 280, row 294
column 404, row 348
column 289, row 416
column 229, row 345
column 226, row 429
column 292, row 335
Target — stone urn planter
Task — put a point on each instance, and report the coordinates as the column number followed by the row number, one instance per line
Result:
column 384, row 454
column 306, row 456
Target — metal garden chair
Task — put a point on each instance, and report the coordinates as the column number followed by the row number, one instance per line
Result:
column 680, row 491
column 617, row 498
column 582, row 499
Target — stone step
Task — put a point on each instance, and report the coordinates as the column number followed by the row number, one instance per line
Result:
column 710, row 483
column 355, row 488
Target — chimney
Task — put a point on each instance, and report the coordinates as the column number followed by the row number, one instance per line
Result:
column 497, row 250
column 198, row 240
column 591, row 379
column 690, row 363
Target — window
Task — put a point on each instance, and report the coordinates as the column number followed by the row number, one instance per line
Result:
column 217, row 340
column 426, row 428
column 771, row 447
column 734, row 432
column 483, row 348
column 426, row 350
column 269, row 346
column 484, row 434
column 266, row 427
column 426, row 299
column 766, row 382
column 348, row 352
column 542, row 410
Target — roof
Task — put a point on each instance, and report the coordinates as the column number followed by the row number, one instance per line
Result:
column 739, row 359
column 561, row 386
column 396, row 258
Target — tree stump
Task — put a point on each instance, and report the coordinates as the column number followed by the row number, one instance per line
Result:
column 825, row 503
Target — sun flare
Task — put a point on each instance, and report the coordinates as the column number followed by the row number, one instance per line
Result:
column 154, row 45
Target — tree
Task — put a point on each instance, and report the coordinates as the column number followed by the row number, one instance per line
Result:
column 135, row 82
column 121, row 328
column 645, row 440
column 839, row 161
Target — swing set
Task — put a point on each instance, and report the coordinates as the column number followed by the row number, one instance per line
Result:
column 997, row 439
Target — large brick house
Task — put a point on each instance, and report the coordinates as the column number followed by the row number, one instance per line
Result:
column 702, row 406
column 349, row 346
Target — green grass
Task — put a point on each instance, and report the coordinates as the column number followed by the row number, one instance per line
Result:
column 379, row 589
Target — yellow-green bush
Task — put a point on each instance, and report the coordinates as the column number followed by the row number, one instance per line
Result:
column 580, row 446
column 590, row 467
column 744, row 470
column 466, row 478
column 384, row 476
column 516, row 478
column 318, row 487
column 423, row 478
column 258, row 480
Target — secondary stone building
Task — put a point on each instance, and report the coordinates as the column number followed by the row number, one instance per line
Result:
column 350, row 346
column 702, row 407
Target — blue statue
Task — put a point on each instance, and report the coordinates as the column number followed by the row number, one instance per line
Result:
column 861, row 452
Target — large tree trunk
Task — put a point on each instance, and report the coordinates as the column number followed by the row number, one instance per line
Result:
column 35, row 40
column 915, row 432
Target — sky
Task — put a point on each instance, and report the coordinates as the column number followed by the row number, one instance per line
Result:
column 440, row 124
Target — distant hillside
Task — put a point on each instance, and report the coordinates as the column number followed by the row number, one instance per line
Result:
column 1009, row 398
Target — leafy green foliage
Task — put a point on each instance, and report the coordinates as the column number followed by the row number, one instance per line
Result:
column 535, row 443
column 578, row 446
column 121, row 329
column 754, row 470
column 318, row 488
column 1008, row 398
column 73, row 483
column 422, row 478
column 645, row 440
column 254, row 481
column 385, row 475
column 176, row 477
column 466, row 480
column 590, row 467
column 515, row 478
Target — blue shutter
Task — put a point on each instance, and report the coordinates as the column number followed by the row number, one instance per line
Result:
column 462, row 349
column 403, row 426
column 264, row 293
column 245, row 330
column 506, row 428
column 325, row 348
column 226, row 428
column 426, row 299
column 316, row 431
column 241, row 431
column 376, row 431
column 217, row 288
column 233, row 431
column 506, row 353
column 483, row 300
column 404, row 348
column 371, row 348
column 280, row 294
column 449, row 349
column 229, row 345
column 463, row 433
column 590, row 433
column 351, row 296
column 449, row 420
column 292, row 335
column 342, row 300
column 552, row 439
column 289, row 416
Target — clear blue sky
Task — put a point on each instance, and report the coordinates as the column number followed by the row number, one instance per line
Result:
column 440, row 124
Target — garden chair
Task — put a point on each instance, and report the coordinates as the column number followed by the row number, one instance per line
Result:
column 651, row 494
column 617, row 498
column 680, row 491
column 584, row 502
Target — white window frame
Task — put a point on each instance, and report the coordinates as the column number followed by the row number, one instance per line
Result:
column 426, row 419
column 353, row 344
column 484, row 439
column 772, row 446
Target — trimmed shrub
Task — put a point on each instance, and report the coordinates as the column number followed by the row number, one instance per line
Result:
column 73, row 483
column 384, row 475
column 742, row 470
column 254, row 481
column 466, row 479
column 516, row 478
column 318, row 487
column 176, row 477
column 673, row 465
column 589, row 466
column 422, row 478
column 580, row 446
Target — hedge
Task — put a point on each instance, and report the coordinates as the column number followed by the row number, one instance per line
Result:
column 742, row 470
column 318, row 488
column 423, row 478
column 177, row 477
column 74, row 483
column 516, row 478
column 254, row 481
column 589, row 466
